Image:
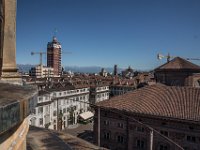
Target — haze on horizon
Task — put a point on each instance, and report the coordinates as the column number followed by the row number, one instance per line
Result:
column 107, row 32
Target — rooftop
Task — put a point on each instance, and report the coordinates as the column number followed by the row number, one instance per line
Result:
column 180, row 64
column 161, row 101
column 39, row 138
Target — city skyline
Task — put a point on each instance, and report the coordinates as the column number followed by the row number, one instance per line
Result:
column 104, row 33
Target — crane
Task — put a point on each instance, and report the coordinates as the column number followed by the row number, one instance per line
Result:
column 40, row 53
column 193, row 58
column 160, row 56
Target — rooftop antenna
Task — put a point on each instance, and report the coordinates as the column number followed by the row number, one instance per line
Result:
column 168, row 56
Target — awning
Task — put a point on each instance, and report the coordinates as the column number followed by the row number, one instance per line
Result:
column 86, row 115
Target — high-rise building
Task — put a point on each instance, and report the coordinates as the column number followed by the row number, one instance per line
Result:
column 54, row 56
column 115, row 70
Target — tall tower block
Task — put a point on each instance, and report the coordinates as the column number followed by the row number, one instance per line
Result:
column 54, row 56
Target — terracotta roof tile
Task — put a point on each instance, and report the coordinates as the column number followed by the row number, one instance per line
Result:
column 159, row 100
column 179, row 63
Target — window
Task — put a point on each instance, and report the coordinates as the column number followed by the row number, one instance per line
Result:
column 47, row 108
column 41, row 121
column 59, row 102
column 64, row 110
column 140, row 129
column 163, row 147
column 40, row 110
column 120, row 139
column 120, row 125
column 54, row 113
column 140, row 144
column 165, row 133
column 54, row 103
column 40, row 99
column 191, row 139
column 106, row 122
column 106, row 135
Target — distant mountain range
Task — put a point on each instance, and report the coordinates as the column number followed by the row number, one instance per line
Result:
column 24, row 67
column 90, row 69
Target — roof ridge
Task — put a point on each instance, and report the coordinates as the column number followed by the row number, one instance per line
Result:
column 179, row 63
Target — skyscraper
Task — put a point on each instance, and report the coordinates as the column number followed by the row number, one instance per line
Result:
column 115, row 70
column 54, row 56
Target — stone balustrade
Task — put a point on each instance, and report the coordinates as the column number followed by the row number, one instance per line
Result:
column 16, row 103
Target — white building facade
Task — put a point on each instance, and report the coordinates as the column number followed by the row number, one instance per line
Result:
column 41, row 71
column 60, row 109
column 99, row 93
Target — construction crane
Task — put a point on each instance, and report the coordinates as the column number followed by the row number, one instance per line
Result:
column 160, row 56
column 193, row 58
column 40, row 53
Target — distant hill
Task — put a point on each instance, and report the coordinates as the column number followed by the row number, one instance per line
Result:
column 90, row 69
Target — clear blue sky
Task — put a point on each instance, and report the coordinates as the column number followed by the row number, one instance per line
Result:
column 108, row 32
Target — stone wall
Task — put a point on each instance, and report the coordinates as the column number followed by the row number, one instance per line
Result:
column 17, row 141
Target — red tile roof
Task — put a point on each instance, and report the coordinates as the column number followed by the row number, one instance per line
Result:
column 159, row 100
column 180, row 64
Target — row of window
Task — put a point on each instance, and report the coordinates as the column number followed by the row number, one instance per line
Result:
column 119, row 124
column 119, row 138
column 102, row 88
column 102, row 95
column 40, row 109
column 43, row 98
column 71, row 100
column 122, row 89
column 70, row 92
column 140, row 143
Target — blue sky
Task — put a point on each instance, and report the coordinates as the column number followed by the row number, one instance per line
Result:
column 108, row 32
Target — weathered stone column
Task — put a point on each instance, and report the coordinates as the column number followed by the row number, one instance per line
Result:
column 8, row 39
column 1, row 31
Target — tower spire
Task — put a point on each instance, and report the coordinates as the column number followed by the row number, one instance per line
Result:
column 55, row 32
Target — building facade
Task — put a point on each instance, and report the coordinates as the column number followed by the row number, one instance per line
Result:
column 99, row 93
column 126, row 121
column 41, row 71
column 122, row 86
column 178, row 72
column 59, row 108
column 54, row 56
